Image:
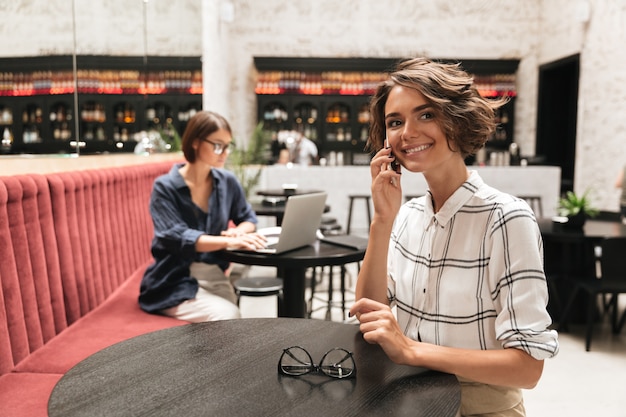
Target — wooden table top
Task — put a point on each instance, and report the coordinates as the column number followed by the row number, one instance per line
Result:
column 230, row 368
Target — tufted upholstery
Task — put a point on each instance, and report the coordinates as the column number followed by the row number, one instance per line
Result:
column 73, row 248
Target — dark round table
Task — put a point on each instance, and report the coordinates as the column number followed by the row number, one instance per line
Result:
column 569, row 256
column 229, row 368
column 292, row 268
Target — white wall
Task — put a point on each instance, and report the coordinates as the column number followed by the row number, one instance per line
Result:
column 481, row 29
column 535, row 31
column 596, row 29
column 103, row 27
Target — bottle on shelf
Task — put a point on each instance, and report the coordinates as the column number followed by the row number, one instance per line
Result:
column 31, row 134
column 60, row 116
column 6, row 116
column 7, row 138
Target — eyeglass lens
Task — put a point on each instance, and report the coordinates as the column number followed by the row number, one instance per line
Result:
column 219, row 148
column 336, row 363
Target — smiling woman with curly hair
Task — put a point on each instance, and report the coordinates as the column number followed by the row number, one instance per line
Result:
column 463, row 265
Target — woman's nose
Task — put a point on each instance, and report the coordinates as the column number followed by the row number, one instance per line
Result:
column 409, row 129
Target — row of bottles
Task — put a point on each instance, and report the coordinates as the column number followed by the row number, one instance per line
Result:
column 495, row 85
column 316, row 83
column 360, row 83
column 308, row 114
column 336, row 123
column 93, row 112
column 502, row 120
column 99, row 82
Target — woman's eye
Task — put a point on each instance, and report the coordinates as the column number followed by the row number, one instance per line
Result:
column 427, row 116
column 393, row 123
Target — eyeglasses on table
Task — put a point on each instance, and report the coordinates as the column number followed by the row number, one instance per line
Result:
column 336, row 363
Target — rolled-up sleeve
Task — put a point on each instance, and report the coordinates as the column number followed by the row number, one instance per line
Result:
column 519, row 287
column 171, row 229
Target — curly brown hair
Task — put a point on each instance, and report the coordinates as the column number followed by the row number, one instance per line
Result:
column 466, row 118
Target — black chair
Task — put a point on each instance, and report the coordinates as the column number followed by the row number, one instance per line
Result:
column 534, row 201
column 612, row 280
column 259, row 287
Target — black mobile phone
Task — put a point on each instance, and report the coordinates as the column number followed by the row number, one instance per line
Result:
column 394, row 165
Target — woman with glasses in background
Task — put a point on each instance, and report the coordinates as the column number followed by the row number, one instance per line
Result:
column 191, row 208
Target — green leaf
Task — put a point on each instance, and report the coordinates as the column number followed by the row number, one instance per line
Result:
column 256, row 153
column 573, row 204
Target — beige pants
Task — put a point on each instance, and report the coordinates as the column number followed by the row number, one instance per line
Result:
column 215, row 300
column 490, row 400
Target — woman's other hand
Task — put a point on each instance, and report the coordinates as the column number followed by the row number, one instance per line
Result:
column 379, row 326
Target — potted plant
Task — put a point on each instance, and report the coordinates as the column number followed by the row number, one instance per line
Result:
column 576, row 209
column 247, row 163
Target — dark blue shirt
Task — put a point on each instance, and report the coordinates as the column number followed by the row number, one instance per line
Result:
column 178, row 223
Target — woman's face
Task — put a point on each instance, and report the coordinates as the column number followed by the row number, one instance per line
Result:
column 214, row 149
column 414, row 133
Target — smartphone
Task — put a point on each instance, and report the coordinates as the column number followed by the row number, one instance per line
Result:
column 394, row 165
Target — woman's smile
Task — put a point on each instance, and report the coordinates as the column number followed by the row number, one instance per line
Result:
column 416, row 149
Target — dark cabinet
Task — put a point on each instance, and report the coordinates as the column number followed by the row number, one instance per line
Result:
column 107, row 123
column 39, row 124
column 117, row 98
column 334, row 122
column 327, row 99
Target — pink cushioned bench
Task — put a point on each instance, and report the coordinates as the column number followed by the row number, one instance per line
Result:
column 73, row 248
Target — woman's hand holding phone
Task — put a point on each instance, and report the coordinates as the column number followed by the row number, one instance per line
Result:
column 393, row 165
column 386, row 189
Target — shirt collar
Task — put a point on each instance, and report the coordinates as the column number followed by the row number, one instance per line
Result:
column 457, row 200
column 179, row 181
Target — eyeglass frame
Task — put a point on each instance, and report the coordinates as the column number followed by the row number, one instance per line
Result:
column 313, row 367
column 218, row 147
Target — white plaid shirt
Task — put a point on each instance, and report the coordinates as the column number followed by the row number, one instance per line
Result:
column 471, row 276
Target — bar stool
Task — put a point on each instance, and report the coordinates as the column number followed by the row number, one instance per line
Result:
column 364, row 197
column 329, row 302
column 410, row 197
column 259, row 287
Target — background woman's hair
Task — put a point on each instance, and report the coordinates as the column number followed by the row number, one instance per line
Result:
column 200, row 126
column 466, row 118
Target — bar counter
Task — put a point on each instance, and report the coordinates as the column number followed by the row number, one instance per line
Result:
column 341, row 181
column 338, row 181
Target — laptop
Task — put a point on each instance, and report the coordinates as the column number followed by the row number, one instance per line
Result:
column 302, row 218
